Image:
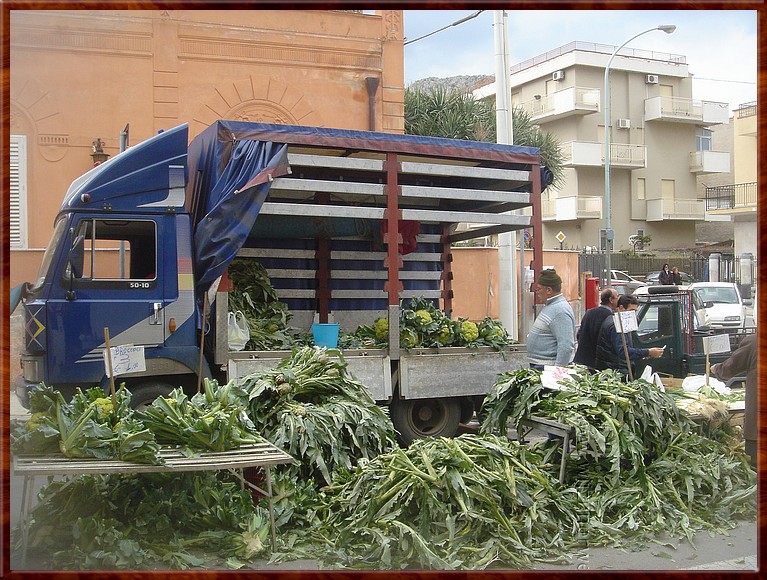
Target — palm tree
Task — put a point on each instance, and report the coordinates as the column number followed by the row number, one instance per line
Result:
column 456, row 114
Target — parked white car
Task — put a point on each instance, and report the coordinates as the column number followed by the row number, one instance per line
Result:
column 723, row 304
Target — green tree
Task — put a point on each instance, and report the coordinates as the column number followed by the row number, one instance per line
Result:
column 455, row 114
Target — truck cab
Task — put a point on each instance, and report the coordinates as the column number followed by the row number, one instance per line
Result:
column 670, row 316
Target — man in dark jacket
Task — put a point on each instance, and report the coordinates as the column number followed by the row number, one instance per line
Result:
column 610, row 353
column 591, row 323
column 743, row 361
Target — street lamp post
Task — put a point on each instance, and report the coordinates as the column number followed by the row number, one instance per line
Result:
column 668, row 29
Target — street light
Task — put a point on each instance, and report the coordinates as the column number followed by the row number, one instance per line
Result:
column 668, row 29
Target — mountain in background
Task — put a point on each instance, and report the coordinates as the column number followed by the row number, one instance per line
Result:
column 465, row 83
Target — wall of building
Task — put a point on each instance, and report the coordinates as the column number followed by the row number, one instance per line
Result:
column 76, row 76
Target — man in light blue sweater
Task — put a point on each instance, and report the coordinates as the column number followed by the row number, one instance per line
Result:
column 551, row 340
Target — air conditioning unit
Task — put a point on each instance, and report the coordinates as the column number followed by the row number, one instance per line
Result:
column 624, row 123
column 652, row 79
column 559, row 75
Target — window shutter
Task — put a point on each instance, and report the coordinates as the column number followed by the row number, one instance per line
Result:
column 18, row 191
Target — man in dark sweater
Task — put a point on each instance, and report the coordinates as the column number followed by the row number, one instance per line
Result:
column 591, row 323
column 610, row 353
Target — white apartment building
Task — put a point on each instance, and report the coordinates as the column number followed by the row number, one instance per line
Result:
column 656, row 152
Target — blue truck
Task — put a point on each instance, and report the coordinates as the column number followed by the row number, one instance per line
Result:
column 348, row 224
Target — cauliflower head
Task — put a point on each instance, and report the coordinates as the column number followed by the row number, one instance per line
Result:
column 469, row 331
column 104, row 408
column 381, row 328
column 423, row 316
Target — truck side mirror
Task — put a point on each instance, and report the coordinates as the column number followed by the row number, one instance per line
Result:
column 708, row 304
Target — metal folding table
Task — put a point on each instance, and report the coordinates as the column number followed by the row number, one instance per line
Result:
column 550, row 427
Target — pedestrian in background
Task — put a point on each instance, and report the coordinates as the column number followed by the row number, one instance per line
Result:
column 551, row 340
column 743, row 361
column 676, row 277
column 610, row 352
column 591, row 324
column 664, row 277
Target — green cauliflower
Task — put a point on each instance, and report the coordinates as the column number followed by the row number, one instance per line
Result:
column 104, row 408
column 35, row 421
column 381, row 328
column 469, row 331
column 444, row 334
column 423, row 316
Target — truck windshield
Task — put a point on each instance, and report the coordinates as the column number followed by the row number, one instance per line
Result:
column 58, row 234
column 718, row 295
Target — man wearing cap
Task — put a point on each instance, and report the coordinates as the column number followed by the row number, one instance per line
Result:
column 551, row 340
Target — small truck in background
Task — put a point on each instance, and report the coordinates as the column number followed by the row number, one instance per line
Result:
column 671, row 316
column 348, row 224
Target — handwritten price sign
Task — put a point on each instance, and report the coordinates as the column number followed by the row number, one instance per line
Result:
column 125, row 359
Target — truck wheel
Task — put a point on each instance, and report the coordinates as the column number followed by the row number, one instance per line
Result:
column 419, row 418
column 143, row 394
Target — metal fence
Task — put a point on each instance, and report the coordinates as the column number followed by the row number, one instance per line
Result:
column 696, row 265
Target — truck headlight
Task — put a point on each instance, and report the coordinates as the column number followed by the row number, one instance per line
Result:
column 731, row 318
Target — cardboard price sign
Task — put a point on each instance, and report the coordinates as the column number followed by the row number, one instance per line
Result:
column 625, row 321
column 125, row 359
column 716, row 343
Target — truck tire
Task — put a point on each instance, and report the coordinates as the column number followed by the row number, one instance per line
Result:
column 419, row 418
column 142, row 394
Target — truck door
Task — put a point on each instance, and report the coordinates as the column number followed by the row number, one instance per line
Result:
column 659, row 325
column 111, row 279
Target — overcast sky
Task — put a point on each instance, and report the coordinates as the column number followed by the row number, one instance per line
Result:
column 720, row 45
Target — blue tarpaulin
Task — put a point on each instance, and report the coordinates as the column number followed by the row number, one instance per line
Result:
column 230, row 181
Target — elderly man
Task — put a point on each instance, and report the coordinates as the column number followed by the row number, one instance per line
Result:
column 551, row 340
column 591, row 323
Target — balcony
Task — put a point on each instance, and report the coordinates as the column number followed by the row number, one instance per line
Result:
column 589, row 154
column 709, row 162
column 569, row 101
column 570, row 208
column 675, row 209
column 745, row 120
column 734, row 198
column 683, row 110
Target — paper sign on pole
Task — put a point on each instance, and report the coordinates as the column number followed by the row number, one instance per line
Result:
column 625, row 321
column 716, row 343
column 125, row 359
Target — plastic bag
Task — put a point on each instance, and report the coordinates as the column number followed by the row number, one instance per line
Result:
column 238, row 330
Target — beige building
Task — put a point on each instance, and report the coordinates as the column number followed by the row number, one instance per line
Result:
column 79, row 77
column 654, row 154
column 737, row 199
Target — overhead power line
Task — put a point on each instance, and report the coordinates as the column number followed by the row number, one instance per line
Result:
column 697, row 78
column 456, row 23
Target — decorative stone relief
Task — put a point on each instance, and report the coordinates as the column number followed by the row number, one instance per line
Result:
column 35, row 113
column 257, row 99
column 392, row 24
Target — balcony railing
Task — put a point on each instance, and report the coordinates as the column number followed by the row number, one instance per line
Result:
column 684, row 110
column 675, row 209
column 747, row 110
column 586, row 153
column 734, row 196
column 709, row 162
column 574, row 207
column 569, row 101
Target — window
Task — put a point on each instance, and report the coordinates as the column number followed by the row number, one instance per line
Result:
column 18, row 191
column 114, row 250
column 641, row 188
column 702, row 139
column 657, row 322
column 667, row 189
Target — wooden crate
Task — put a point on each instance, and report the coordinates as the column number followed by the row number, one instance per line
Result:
column 671, row 382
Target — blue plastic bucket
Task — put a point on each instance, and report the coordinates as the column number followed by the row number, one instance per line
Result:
column 325, row 334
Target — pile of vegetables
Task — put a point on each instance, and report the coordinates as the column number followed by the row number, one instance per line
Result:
column 639, row 467
column 471, row 502
column 145, row 521
column 212, row 420
column 252, row 293
column 88, row 426
column 422, row 325
column 311, row 406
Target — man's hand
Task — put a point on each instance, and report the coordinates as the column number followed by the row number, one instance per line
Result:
column 712, row 370
column 656, row 352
